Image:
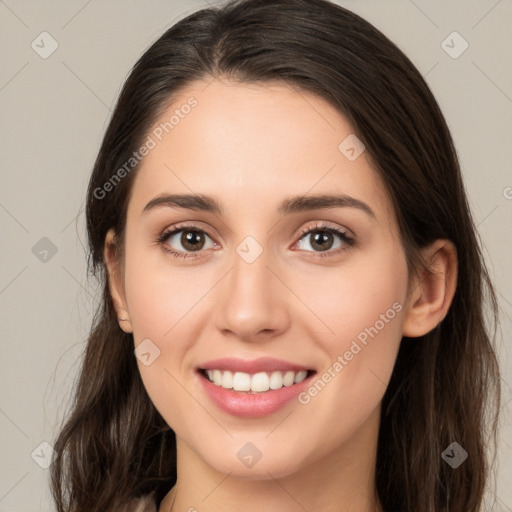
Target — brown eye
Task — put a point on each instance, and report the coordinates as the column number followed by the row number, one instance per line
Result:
column 181, row 241
column 323, row 238
column 192, row 240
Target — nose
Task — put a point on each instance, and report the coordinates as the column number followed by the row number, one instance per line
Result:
column 253, row 303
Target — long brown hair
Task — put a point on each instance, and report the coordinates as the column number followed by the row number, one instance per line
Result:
column 445, row 386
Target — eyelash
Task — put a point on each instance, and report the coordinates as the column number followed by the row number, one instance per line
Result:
column 349, row 241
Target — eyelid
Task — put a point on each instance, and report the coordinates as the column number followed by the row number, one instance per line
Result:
column 324, row 225
column 184, row 226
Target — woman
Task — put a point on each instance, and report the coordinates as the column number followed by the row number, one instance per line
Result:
column 292, row 316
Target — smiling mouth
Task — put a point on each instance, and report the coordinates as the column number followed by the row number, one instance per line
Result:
column 259, row 382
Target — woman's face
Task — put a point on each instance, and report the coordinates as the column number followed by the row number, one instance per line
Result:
column 255, row 285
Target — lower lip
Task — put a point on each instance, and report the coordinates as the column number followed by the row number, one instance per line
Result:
column 252, row 405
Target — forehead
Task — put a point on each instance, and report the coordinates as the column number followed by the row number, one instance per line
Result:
column 251, row 145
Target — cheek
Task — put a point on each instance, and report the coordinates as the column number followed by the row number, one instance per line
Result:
column 361, row 307
column 160, row 299
column 166, row 306
column 350, row 301
column 162, row 304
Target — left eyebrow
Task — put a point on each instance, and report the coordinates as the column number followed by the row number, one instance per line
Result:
column 290, row 205
column 313, row 202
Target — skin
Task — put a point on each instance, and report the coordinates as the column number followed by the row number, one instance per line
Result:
column 251, row 146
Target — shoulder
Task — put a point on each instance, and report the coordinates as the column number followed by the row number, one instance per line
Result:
column 144, row 504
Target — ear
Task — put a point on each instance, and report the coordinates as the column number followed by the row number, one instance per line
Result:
column 115, row 282
column 432, row 293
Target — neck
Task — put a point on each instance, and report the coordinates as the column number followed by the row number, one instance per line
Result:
column 341, row 481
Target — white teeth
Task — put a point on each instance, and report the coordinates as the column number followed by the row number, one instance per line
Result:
column 227, row 380
column 241, row 382
column 217, row 377
column 276, row 380
column 300, row 376
column 258, row 382
column 288, row 378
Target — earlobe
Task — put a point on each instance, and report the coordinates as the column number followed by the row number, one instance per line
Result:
column 433, row 293
column 115, row 282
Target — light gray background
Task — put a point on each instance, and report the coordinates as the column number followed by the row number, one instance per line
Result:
column 53, row 115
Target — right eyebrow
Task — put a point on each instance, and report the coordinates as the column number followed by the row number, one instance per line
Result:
column 188, row 201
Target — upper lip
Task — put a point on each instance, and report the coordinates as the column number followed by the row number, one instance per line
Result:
column 263, row 364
